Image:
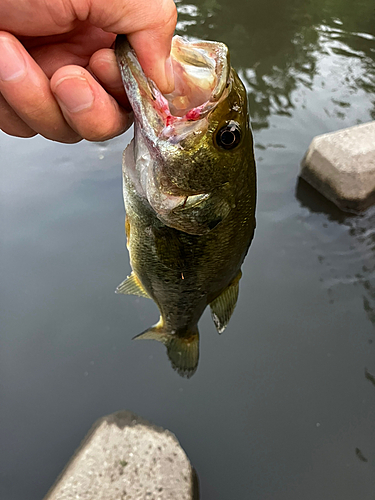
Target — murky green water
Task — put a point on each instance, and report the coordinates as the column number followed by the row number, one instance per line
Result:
column 282, row 406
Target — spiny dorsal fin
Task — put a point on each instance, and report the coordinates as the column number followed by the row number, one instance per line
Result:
column 223, row 306
column 132, row 286
column 182, row 349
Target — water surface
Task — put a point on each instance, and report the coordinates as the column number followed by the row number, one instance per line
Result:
column 282, row 406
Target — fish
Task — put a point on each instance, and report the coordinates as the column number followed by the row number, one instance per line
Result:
column 189, row 186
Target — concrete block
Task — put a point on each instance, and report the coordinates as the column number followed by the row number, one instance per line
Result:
column 124, row 457
column 341, row 166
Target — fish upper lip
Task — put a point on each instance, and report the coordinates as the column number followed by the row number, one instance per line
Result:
column 150, row 105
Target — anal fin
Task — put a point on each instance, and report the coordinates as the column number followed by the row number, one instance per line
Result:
column 223, row 306
column 132, row 286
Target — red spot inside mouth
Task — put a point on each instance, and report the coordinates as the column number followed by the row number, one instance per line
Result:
column 193, row 114
column 169, row 120
column 162, row 107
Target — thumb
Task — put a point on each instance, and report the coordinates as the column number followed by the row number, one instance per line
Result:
column 153, row 52
column 149, row 27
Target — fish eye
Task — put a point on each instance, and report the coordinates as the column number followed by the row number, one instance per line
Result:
column 229, row 136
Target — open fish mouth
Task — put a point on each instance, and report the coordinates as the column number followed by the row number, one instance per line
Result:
column 201, row 70
column 170, row 129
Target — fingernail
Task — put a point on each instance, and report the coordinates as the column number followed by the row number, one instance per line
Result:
column 169, row 75
column 74, row 93
column 12, row 63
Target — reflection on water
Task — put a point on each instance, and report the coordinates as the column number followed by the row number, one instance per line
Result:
column 345, row 251
column 347, row 261
column 369, row 376
column 288, row 390
column 360, row 455
column 325, row 45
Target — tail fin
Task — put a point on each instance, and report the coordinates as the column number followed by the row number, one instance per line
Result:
column 182, row 347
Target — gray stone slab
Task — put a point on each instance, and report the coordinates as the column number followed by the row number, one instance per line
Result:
column 341, row 166
column 124, row 457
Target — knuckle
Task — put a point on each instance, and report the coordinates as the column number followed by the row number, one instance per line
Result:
column 106, row 131
column 7, row 36
column 74, row 139
column 64, row 134
column 23, row 133
column 11, row 123
column 169, row 21
column 101, row 135
column 163, row 17
column 173, row 16
column 39, row 109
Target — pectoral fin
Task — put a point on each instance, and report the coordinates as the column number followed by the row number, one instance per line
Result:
column 223, row 306
column 200, row 214
column 132, row 286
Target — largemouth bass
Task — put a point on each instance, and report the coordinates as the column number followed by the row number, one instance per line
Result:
column 190, row 190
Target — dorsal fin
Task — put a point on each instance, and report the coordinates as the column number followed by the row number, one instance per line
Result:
column 223, row 306
column 132, row 286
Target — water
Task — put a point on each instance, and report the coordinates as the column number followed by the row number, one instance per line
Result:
column 282, row 405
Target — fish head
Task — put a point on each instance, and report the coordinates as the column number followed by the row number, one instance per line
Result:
column 191, row 145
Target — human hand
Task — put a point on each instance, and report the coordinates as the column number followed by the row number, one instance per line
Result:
column 58, row 75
